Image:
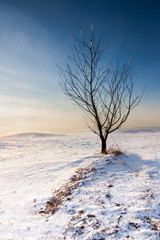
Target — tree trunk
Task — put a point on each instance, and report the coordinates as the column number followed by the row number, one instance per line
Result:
column 103, row 148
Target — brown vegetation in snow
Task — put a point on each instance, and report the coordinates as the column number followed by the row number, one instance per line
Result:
column 64, row 193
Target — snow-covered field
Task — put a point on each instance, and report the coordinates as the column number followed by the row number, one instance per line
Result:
column 120, row 199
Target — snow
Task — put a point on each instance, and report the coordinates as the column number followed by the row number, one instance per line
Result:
column 120, row 199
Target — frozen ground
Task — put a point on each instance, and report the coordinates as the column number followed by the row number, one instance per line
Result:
column 120, row 199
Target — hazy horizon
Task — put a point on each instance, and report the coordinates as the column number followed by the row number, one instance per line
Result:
column 140, row 129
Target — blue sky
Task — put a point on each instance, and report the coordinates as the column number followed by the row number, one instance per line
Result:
column 35, row 36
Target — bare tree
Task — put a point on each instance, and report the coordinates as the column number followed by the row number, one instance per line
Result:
column 104, row 93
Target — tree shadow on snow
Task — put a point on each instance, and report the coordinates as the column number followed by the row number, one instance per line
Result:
column 137, row 162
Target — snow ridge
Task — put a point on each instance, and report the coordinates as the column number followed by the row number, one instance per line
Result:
column 115, row 201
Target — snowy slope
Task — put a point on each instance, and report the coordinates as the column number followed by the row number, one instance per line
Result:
column 119, row 200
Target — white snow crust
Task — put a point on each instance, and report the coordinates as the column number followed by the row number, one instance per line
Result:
column 119, row 200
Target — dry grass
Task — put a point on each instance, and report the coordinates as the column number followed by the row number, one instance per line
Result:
column 64, row 193
column 115, row 151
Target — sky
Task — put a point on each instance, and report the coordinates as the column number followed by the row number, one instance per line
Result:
column 36, row 36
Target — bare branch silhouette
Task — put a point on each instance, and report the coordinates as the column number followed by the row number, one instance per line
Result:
column 104, row 93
